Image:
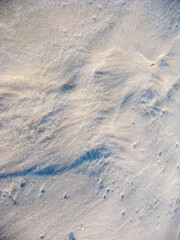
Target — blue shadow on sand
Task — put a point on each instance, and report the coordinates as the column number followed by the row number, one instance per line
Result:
column 89, row 156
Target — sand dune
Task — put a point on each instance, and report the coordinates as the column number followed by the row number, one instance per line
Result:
column 89, row 120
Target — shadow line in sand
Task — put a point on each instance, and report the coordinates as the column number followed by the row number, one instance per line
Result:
column 89, row 156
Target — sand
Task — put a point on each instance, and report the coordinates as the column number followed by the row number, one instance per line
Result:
column 89, row 120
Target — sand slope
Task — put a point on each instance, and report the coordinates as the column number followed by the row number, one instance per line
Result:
column 89, row 120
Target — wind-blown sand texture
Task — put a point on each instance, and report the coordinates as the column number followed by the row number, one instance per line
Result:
column 89, row 120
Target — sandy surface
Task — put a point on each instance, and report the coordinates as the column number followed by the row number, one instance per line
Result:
column 89, row 120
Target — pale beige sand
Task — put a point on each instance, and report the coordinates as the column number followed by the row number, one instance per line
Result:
column 89, row 120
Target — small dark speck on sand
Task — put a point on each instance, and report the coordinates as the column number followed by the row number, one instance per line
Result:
column 71, row 236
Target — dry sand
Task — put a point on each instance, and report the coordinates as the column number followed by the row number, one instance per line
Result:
column 89, row 120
